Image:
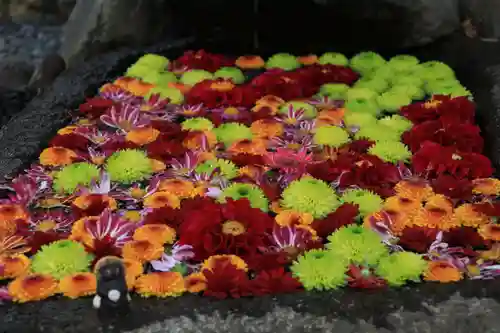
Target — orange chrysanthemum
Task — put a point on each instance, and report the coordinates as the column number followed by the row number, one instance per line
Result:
column 492, row 254
column 470, row 217
column 198, row 139
column 57, row 156
column 85, row 201
column 442, row 271
column 271, row 101
column 245, row 146
column 78, row 285
column 250, row 62
column 133, row 269
column 35, row 287
column 486, row 186
column 415, row 190
column 161, row 284
column 275, row 207
column 267, row 128
column 14, row 266
column 178, row 187
column 157, row 166
column 250, row 171
column 156, row 233
column 402, row 204
column 290, row 217
column 435, row 217
column 138, row 87
column 395, row 220
column 490, row 232
column 235, row 260
column 308, row 59
column 10, row 215
column 330, row 117
column 79, row 233
column 195, row 283
column 162, row 199
column 67, row 130
column 222, row 85
column 143, row 135
column 142, row 250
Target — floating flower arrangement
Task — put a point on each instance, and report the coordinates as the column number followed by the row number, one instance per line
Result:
column 243, row 177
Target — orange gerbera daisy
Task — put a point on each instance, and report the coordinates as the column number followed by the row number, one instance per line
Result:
column 78, row 285
column 245, row 146
column 162, row 199
column 133, row 269
column 267, row 128
column 490, row 232
column 79, row 233
column 34, row 287
column 57, row 156
column 161, row 284
column 138, row 87
column 195, row 282
column 235, row 260
column 143, row 135
column 415, row 190
column 142, row 250
column 486, row 186
column 271, row 101
column 14, row 266
column 10, row 215
column 308, row 59
column 196, row 140
column 437, row 213
column 155, row 233
column 290, row 217
column 250, row 62
column 178, row 187
column 442, row 271
column 403, row 204
column 470, row 217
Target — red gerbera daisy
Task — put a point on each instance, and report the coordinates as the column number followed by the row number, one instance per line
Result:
column 225, row 280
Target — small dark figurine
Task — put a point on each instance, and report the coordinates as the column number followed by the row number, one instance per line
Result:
column 112, row 292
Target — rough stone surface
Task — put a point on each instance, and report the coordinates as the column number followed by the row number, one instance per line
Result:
column 98, row 25
column 56, row 11
column 485, row 15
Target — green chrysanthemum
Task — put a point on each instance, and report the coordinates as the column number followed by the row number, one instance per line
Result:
column 309, row 195
column 309, row 110
column 251, row 192
column 284, row 61
column 226, row 168
column 452, row 88
column 396, row 122
column 334, row 90
column 61, row 258
column 139, row 71
column 174, row 95
column 320, row 270
column 383, row 72
column 357, row 244
column 197, row 124
column 377, row 84
column 228, row 133
column 331, row 136
column 160, row 78
column 412, row 91
column 377, row 132
column 400, row 267
column 359, row 119
column 333, row 58
column 362, row 100
column 361, row 93
column 153, row 61
column 403, row 63
column 367, row 201
column 391, row 101
column 233, row 73
column 433, row 70
column 129, row 166
column 390, row 151
column 410, row 79
column 68, row 178
column 367, row 62
column 193, row 76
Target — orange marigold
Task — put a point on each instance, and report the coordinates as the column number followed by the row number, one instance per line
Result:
column 195, row 282
column 442, row 271
column 155, row 233
column 142, row 250
column 414, row 190
column 162, row 199
column 470, row 217
column 133, row 269
column 178, row 187
column 490, row 232
column 14, row 266
column 34, row 287
column 78, row 285
column 267, row 128
column 143, row 135
column 161, row 284
column 10, row 215
column 57, row 156
column 486, row 186
column 235, row 260
column 254, row 147
column 290, row 217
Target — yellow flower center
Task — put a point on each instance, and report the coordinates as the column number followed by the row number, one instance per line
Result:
column 234, row 228
column 291, row 121
column 231, row 111
column 99, row 160
column 293, row 146
column 432, row 104
column 126, row 125
column 132, row 216
column 46, row 225
column 137, row 193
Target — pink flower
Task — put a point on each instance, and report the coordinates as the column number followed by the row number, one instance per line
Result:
column 4, row 295
column 293, row 116
column 54, row 220
column 167, row 262
column 125, row 118
column 117, row 94
column 94, row 135
column 110, row 226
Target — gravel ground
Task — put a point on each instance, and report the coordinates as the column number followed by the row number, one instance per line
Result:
column 28, row 42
